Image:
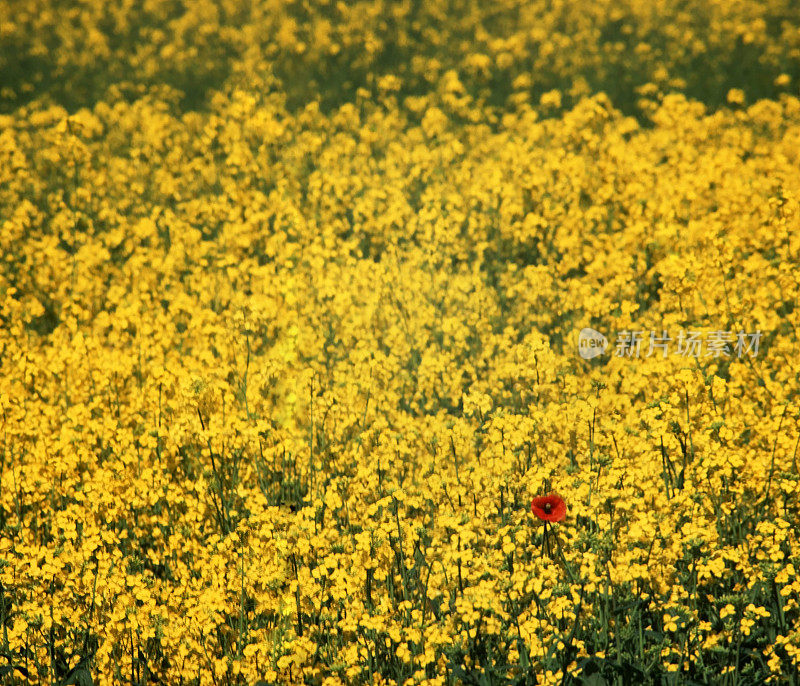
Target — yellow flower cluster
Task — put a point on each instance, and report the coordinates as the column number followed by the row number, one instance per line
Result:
column 281, row 375
column 503, row 54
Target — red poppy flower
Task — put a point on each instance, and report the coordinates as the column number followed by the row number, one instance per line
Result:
column 549, row 508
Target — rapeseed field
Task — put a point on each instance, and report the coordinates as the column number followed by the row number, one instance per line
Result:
column 416, row 342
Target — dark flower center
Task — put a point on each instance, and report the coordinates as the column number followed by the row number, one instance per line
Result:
column 548, row 507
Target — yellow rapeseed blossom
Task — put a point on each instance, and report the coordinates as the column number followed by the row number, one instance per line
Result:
column 302, row 306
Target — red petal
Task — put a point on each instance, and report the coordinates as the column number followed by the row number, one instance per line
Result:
column 558, row 508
